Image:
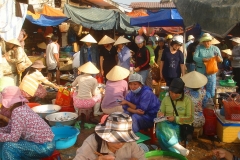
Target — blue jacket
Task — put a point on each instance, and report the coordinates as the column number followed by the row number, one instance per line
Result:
column 94, row 55
column 145, row 100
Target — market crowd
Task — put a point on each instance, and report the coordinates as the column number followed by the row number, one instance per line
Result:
column 129, row 70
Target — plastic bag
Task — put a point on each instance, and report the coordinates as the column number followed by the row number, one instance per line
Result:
column 211, row 65
column 64, row 97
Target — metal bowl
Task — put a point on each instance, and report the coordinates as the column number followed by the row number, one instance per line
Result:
column 44, row 110
column 164, row 88
column 63, row 118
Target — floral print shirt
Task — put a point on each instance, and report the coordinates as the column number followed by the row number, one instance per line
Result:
column 199, row 98
column 27, row 125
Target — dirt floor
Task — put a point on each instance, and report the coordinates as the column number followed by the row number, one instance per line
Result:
column 200, row 148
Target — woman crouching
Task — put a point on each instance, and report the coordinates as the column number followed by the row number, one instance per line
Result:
column 31, row 85
column 27, row 135
column 112, row 140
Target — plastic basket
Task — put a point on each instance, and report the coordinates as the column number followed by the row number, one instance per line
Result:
column 210, row 126
column 232, row 107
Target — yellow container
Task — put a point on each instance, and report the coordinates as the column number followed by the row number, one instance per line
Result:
column 228, row 132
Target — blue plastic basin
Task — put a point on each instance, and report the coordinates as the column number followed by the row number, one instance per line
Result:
column 65, row 136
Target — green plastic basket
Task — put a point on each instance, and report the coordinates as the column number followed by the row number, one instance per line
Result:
column 164, row 153
column 226, row 84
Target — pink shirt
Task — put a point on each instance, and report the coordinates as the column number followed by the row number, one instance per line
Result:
column 114, row 90
column 27, row 125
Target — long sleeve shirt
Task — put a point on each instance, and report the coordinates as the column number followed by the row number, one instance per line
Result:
column 31, row 81
column 236, row 56
column 27, row 125
column 124, row 57
column 185, row 109
column 127, row 151
column 87, row 86
column 202, row 52
column 114, row 90
column 20, row 58
column 146, row 101
column 142, row 58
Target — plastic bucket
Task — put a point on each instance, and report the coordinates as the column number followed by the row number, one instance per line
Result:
column 65, row 136
column 152, row 154
column 210, row 126
column 31, row 105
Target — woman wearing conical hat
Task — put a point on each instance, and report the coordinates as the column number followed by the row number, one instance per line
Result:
column 115, row 90
column 108, row 55
column 19, row 58
column 124, row 53
column 194, row 88
column 87, row 95
column 89, row 51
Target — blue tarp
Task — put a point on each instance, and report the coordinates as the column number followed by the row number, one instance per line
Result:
column 163, row 18
column 46, row 20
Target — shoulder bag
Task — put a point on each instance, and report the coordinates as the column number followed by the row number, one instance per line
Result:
column 185, row 129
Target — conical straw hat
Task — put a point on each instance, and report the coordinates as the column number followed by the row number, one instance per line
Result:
column 42, row 45
column 121, row 40
column 14, row 41
column 117, row 73
column 106, row 40
column 227, row 51
column 49, row 35
column 88, row 38
column 215, row 41
column 88, row 68
column 194, row 79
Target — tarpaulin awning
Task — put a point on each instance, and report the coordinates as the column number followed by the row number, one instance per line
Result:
column 48, row 17
column 98, row 19
column 218, row 17
column 125, row 24
column 10, row 25
column 163, row 18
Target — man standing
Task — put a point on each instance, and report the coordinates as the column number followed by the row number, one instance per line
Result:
column 52, row 59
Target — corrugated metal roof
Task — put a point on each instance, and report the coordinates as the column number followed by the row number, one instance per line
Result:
column 152, row 5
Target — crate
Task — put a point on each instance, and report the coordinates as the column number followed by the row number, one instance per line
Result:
column 232, row 109
column 227, row 131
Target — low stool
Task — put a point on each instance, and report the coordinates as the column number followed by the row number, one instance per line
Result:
column 85, row 111
column 151, row 134
column 54, row 156
column 198, row 131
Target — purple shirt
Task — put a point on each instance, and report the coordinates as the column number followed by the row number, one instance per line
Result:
column 114, row 90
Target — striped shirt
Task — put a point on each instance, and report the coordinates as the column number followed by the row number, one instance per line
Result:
column 31, row 81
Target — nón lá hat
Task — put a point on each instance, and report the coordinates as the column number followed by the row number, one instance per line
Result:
column 121, row 40
column 194, row 79
column 89, row 68
column 117, row 73
column 88, row 38
column 106, row 40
